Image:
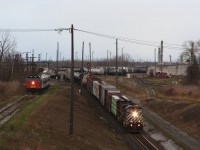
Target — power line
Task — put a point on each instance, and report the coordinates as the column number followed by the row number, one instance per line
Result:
column 129, row 40
column 135, row 41
column 115, row 37
column 33, row 30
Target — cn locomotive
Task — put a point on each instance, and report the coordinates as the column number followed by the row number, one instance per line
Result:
column 37, row 82
column 119, row 105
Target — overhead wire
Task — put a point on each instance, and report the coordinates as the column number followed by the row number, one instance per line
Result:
column 25, row 30
column 135, row 41
column 129, row 40
column 33, row 30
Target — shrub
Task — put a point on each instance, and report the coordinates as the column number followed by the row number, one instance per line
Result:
column 190, row 91
column 9, row 87
column 13, row 86
column 2, row 88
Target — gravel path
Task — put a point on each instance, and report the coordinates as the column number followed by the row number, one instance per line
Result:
column 180, row 137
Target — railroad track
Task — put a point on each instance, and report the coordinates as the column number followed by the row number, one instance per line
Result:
column 10, row 108
column 144, row 82
column 150, row 87
column 143, row 142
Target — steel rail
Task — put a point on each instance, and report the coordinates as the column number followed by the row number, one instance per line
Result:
column 143, row 142
column 10, row 108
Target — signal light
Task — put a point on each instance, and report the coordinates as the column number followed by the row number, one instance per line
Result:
column 38, row 57
column 26, row 56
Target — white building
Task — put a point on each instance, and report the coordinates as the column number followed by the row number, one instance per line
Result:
column 179, row 69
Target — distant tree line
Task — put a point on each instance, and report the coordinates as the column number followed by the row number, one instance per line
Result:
column 192, row 56
column 11, row 63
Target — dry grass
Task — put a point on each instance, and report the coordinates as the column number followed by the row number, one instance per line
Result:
column 9, row 87
column 126, row 87
column 46, row 128
column 9, row 91
column 186, row 92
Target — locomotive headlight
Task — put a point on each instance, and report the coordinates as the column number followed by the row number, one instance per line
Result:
column 135, row 114
column 33, row 82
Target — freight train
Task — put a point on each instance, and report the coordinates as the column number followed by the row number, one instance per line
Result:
column 37, row 82
column 119, row 105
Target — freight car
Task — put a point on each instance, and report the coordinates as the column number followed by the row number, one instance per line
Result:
column 77, row 75
column 120, row 106
column 37, row 82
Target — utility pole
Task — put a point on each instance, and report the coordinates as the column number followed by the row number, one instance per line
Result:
column 46, row 56
column 107, row 63
column 110, row 60
column 159, row 60
column 116, row 63
column 60, row 56
column 57, row 58
column 122, row 60
column 161, row 49
column 155, row 60
column 76, row 56
column 71, row 84
column 161, row 52
column 32, row 61
column 93, row 58
column 82, row 68
column 170, row 59
column 90, row 55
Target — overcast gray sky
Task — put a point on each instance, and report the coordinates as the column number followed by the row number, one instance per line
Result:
column 173, row 21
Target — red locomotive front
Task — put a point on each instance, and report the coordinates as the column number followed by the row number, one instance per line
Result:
column 33, row 83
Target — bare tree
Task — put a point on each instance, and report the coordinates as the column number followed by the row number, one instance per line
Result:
column 193, row 71
column 7, row 45
column 190, row 52
column 127, row 59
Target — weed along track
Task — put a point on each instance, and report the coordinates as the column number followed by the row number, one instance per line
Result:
column 11, row 108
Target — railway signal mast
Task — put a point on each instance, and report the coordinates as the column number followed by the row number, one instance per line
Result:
column 89, row 67
column 26, row 59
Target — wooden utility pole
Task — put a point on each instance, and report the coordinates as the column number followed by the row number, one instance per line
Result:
column 71, row 84
column 117, row 63
column 161, row 52
column 122, row 59
column 57, row 58
column 110, row 59
column 107, row 63
column 90, row 56
column 32, row 60
column 161, row 55
column 155, row 60
column 82, row 68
